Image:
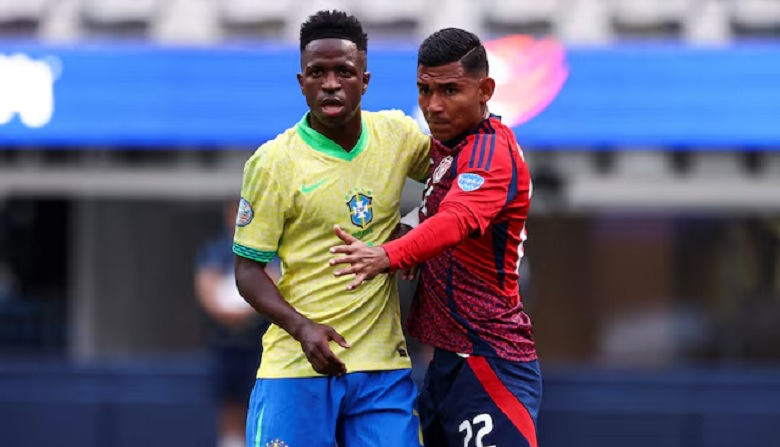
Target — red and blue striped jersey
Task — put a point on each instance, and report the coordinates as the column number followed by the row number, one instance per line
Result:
column 468, row 300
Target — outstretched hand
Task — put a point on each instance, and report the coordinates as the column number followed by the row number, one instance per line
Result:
column 365, row 262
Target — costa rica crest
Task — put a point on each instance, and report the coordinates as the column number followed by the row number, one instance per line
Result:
column 444, row 165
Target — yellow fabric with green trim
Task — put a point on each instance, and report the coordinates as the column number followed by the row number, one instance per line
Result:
column 295, row 189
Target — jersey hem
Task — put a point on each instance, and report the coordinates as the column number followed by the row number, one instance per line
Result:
column 313, row 374
column 456, row 350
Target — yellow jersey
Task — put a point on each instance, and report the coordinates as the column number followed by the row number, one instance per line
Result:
column 295, row 189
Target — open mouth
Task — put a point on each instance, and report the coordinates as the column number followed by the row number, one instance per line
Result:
column 332, row 106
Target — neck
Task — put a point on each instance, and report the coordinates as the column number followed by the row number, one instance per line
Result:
column 345, row 136
column 472, row 128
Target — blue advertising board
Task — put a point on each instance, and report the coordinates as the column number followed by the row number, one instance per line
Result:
column 554, row 96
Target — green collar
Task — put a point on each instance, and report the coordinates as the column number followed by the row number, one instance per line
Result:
column 321, row 143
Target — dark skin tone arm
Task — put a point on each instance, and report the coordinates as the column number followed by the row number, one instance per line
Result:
column 260, row 291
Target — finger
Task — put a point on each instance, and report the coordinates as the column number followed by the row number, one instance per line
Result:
column 350, row 259
column 335, row 336
column 409, row 273
column 352, row 270
column 334, row 363
column 348, row 249
column 320, row 361
column 359, row 278
column 343, row 235
column 316, row 361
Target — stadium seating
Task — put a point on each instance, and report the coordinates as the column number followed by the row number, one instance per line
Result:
column 21, row 17
column 249, row 17
column 188, row 21
column 585, row 21
column 537, row 17
column 650, row 17
column 756, row 17
column 392, row 17
column 119, row 17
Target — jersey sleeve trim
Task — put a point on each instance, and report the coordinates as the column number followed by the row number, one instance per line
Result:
column 252, row 253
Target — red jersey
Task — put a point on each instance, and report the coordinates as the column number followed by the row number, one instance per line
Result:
column 473, row 219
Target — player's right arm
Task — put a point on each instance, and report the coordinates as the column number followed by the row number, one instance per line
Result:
column 255, row 244
column 486, row 181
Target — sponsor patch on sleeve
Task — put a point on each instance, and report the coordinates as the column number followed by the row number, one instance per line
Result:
column 245, row 213
column 470, row 182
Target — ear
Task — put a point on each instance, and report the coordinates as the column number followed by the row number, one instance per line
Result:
column 487, row 86
column 300, row 81
column 366, row 78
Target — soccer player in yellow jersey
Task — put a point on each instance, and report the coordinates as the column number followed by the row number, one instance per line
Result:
column 335, row 365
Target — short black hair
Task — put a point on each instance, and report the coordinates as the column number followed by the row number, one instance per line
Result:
column 333, row 25
column 450, row 45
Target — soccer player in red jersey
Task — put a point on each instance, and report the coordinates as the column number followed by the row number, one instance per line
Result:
column 483, row 386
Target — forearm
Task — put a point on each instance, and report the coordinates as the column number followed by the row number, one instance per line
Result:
column 430, row 238
column 260, row 291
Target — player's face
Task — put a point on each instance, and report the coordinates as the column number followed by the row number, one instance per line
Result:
column 452, row 101
column 333, row 80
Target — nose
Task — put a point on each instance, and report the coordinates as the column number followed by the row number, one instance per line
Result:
column 435, row 104
column 331, row 82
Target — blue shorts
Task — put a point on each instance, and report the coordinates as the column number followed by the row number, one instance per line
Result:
column 480, row 401
column 360, row 409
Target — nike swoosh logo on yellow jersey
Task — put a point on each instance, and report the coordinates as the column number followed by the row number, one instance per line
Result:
column 307, row 189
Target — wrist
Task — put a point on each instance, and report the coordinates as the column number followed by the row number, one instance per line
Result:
column 296, row 327
column 385, row 263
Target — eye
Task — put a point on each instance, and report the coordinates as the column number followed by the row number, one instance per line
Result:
column 450, row 91
column 315, row 72
column 423, row 89
column 345, row 73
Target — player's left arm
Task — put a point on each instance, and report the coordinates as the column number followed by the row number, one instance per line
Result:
column 417, row 147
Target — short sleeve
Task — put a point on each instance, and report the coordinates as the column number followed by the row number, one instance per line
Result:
column 261, row 212
column 418, row 146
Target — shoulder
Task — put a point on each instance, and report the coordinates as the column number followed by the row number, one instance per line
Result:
column 273, row 154
column 505, row 136
column 391, row 120
column 493, row 143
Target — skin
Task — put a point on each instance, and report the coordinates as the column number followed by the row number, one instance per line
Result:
column 333, row 80
column 333, row 73
column 453, row 102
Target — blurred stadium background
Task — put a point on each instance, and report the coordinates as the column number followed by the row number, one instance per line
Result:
column 652, row 271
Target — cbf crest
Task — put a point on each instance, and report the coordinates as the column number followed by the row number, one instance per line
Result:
column 361, row 211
